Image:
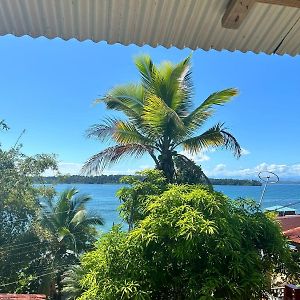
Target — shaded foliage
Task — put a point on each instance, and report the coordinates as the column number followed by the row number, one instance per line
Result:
column 134, row 196
column 23, row 240
column 38, row 243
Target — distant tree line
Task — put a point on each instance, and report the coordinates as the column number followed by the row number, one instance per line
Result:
column 115, row 179
column 225, row 181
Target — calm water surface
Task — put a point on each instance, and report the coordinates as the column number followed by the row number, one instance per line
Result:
column 106, row 203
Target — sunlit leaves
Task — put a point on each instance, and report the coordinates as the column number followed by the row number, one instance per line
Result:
column 199, row 116
column 216, row 136
column 189, row 243
column 158, row 114
column 98, row 162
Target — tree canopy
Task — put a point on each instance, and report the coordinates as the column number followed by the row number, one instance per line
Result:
column 159, row 119
column 189, row 242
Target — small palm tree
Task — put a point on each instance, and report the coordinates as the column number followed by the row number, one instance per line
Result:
column 159, row 119
column 72, row 231
column 71, row 226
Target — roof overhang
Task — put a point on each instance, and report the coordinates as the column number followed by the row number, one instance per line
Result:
column 269, row 26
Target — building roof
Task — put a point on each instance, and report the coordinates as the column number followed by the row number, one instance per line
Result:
column 293, row 234
column 279, row 208
column 289, row 222
column 194, row 24
column 22, row 297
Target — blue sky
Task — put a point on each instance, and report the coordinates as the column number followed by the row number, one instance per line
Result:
column 48, row 86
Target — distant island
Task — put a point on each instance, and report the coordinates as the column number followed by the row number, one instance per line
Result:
column 115, row 179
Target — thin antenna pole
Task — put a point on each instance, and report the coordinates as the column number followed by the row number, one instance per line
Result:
column 263, row 192
column 16, row 144
column 269, row 178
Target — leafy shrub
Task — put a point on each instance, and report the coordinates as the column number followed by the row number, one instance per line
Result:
column 191, row 244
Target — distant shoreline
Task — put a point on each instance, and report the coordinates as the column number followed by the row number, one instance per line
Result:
column 115, row 179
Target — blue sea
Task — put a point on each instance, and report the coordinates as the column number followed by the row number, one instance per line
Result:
column 106, row 203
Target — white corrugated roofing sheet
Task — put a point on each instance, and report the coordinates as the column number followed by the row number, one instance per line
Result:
column 181, row 23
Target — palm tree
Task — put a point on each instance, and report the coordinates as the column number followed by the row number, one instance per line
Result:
column 159, row 119
column 69, row 223
column 71, row 282
column 72, row 231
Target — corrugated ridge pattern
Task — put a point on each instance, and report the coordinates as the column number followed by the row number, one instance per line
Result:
column 181, row 23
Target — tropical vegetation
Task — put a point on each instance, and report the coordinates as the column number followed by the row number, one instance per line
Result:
column 159, row 119
column 187, row 242
column 184, row 240
column 71, row 231
column 39, row 242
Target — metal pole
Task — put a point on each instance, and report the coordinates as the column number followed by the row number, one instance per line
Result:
column 263, row 192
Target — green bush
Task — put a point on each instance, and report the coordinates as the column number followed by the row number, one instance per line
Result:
column 191, row 244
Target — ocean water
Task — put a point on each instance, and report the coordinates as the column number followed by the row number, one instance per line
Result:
column 106, row 203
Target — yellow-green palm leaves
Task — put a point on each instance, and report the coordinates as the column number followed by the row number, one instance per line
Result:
column 159, row 118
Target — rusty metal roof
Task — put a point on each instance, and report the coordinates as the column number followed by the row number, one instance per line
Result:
column 289, row 222
column 293, row 234
column 181, row 23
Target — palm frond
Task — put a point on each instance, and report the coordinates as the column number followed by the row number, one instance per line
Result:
column 71, row 282
column 197, row 118
column 104, row 131
column 158, row 117
column 127, row 133
column 128, row 99
column 147, row 71
column 79, row 201
column 216, row 136
column 111, row 155
column 83, row 218
column 182, row 75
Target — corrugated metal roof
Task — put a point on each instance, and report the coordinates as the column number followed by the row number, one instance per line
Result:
column 180, row 23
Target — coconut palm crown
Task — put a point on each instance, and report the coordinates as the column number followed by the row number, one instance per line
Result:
column 159, row 119
column 69, row 222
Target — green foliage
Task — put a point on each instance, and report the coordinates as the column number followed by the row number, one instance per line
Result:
column 39, row 243
column 134, row 196
column 23, row 241
column 71, row 282
column 181, row 170
column 192, row 243
column 159, row 119
column 188, row 172
column 71, row 232
column 71, row 227
column 3, row 125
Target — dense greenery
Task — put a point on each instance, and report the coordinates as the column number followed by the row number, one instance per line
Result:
column 71, row 230
column 38, row 243
column 116, row 179
column 187, row 242
column 159, row 119
column 21, row 242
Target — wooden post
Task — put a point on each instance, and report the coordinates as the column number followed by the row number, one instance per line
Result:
column 236, row 12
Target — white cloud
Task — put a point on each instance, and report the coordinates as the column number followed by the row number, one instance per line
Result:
column 282, row 170
column 244, row 151
column 65, row 168
column 220, row 168
column 198, row 157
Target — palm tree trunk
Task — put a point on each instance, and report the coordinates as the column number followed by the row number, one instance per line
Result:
column 166, row 164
